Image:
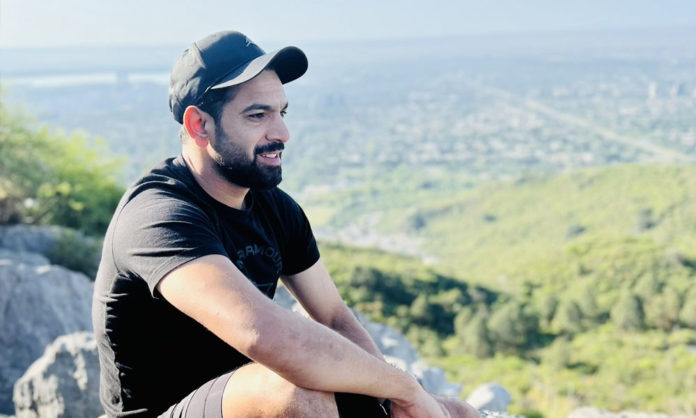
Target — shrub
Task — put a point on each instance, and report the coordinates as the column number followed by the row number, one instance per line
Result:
column 50, row 178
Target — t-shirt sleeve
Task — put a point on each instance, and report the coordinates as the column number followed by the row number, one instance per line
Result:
column 299, row 248
column 157, row 232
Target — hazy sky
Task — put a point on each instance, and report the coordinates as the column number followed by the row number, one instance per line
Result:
column 39, row 23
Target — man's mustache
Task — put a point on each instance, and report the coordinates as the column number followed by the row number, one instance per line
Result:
column 276, row 146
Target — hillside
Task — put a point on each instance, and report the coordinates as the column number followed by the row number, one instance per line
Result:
column 498, row 228
column 585, row 284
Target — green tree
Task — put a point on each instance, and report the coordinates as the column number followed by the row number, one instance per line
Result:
column 568, row 318
column 587, row 302
column 510, row 327
column 461, row 321
column 547, row 305
column 557, row 356
column 687, row 316
column 627, row 314
column 648, row 285
column 662, row 310
column 475, row 339
column 50, row 178
column 420, row 309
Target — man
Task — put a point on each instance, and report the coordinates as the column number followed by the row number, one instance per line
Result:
column 182, row 306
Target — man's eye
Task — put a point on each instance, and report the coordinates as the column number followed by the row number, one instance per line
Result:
column 257, row 115
column 283, row 113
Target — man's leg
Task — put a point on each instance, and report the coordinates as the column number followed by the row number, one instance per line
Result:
column 255, row 391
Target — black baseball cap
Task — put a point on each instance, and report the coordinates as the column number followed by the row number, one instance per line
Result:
column 225, row 59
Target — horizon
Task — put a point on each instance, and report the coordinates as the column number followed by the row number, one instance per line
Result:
column 579, row 44
column 501, row 35
column 175, row 22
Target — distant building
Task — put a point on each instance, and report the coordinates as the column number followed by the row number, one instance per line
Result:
column 652, row 91
column 677, row 90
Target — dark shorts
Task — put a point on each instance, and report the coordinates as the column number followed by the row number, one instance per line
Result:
column 206, row 402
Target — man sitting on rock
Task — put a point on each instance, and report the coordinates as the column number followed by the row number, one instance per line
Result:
column 182, row 305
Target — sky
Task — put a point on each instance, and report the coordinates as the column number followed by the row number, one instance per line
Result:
column 50, row 23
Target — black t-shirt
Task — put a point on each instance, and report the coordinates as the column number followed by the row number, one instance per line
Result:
column 151, row 354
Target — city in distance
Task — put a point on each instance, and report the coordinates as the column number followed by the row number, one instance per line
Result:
column 440, row 114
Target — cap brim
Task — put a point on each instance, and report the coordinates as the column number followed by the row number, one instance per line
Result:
column 289, row 63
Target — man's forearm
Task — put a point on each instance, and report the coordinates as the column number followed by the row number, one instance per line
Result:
column 313, row 356
column 348, row 325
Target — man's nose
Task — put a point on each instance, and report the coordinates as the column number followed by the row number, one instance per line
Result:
column 278, row 132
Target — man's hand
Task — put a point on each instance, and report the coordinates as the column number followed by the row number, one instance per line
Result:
column 422, row 405
column 425, row 405
column 458, row 409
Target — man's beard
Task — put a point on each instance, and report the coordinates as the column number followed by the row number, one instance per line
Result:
column 233, row 163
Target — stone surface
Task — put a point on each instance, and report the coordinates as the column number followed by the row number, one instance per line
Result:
column 64, row 382
column 38, row 302
column 590, row 412
column 497, row 414
column 29, row 238
column 490, row 396
column 8, row 257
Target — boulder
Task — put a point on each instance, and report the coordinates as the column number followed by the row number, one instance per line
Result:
column 30, row 238
column 490, row 396
column 399, row 352
column 497, row 414
column 62, row 246
column 8, row 257
column 590, row 412
column 64, row 382
column 38, row 302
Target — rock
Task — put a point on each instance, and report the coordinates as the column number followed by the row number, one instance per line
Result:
column 399, row 351
column 434, row 380
column 29, row 238
column 8, row 257
column 396, row 348
column 496, row 414
column 589, row 412
column 38, row 302
column 62, row 246
column 64, row 382
column 490, row 396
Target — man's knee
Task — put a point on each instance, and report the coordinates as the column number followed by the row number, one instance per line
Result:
column 311, row 403
column 256, row 391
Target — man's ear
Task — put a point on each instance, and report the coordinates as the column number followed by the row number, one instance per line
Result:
column 198, row 125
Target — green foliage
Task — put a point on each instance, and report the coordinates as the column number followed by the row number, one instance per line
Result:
column 50, row 178
column 474, row 338
column 651, row 371
column 402, row 292
column 489, row 233
column 568, row 317
column 595, row 280
column 628, row 314
column 662, row 309
column 512, row 328
column 76, row 252
column 688, row 312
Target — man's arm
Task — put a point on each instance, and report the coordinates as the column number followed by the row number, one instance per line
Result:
column 317, row 293
column 215, row 293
